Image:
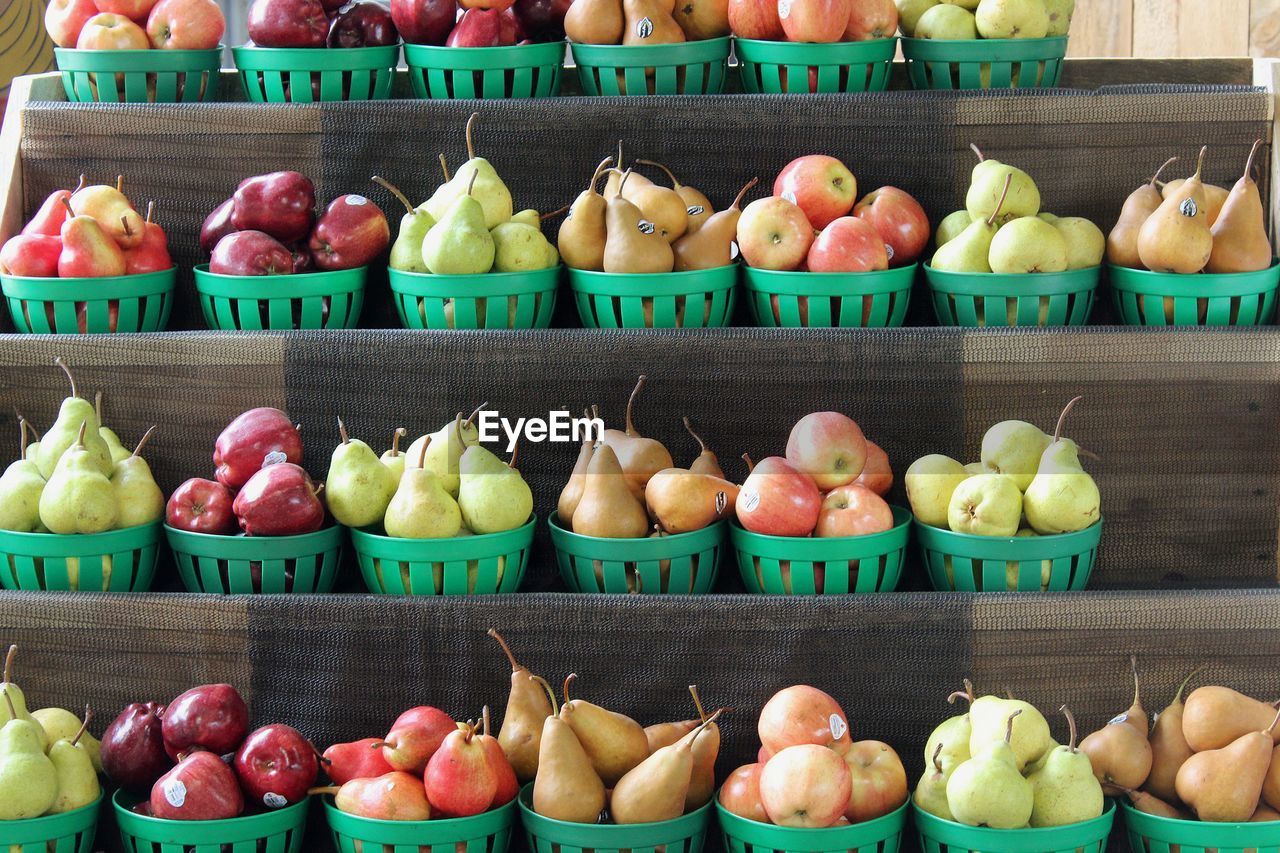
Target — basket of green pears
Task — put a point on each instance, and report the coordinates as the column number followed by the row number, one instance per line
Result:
column 990, row 44
column 601, row 529
column 1026, row 517
column 79, row 512
column 447, row 517
column 1003, row 262
column 996, row 781
column 1193, row 254
column 646, row 256
column 464, row 260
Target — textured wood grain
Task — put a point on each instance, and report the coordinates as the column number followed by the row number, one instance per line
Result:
column 1264, row 28
column 1155, row 27
column 1102, row 28
column 1220, row 28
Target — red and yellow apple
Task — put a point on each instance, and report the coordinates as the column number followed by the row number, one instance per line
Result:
column 186, row 25
column 134, row 10
column 872, row 19
column 106, row 31
column 829, row 447
column 774, row 234
column 848, row 245
column 64, row 19
column 805, row 786
column 755, row 19
column 740, row 793
column 801, row 714
column 878, row 781
column 853, row 510
column 900, row 221
column 876, row 474
column 778, row 500
column 815, row 21
column 821, row 186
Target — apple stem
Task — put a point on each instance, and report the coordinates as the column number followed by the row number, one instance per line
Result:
column 61, row 363
column 1166, row 163
column 472, row 182
column 484, row 717
column 321, row 791
column 515, row 450
column 8, row 663
column 1008, row 728
column 84, row 727
column 342, row 432
column 595, row 176
column 120, row 183
column 751, row 466
column 1057, row 430
column 937, row 763
column 976, row 150
column 79, row 186
column 124, row 221
column 675, row 185
column 8, row 700
column 395, row 440
column 702, row 445
column 471, row 151
column 743, row 192
column 1071, row 724
column 471, row 418
column 444, row 167
column 697, row 702
column 146, row 436
column 67, row 204
column 151, row 209
column 630, row 425
column 422, row 454
column 1008, row 179
column 515, row 667
column 551, row 693
column 395, row 191
column 569, row 679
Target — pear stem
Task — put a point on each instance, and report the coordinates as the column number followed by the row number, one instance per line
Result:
column 976, row 150
column 1071, row 724
column 1253, row 152
column 471, row 418
column 697, row 701
column 1008, row 179
column 595, row 176
column 553, row 214
column 737, row 200
column 79, row 186
column 1137, row 698
column 8, row 663
column 551, row 693
column 1008, row 728
column 1265, row 731
column 324, row 789
column 67, row 204
column 422, row 454
column 1163, row 166
column 936, row 760
column 471, row 151
column 675, row 185
column 444, row 167
column 22, row 438
column 1200, row 162
column 702, row 728
column 514, row 452
column 395, row 191
column 151, row 209
column 569, row 679
column 515, row 667
column 8, row 700
column 1177, row 697
column 142, row 442
column 1057, row 430
column 457, row 429
column 471, row 184
column 342, row 432
column 124, row 221
column 119, row 183
column 30, row 425
column 97, row 407
column 84, row 727
column 619, row 161
column 630, row 425
column 80, row 435
column 702, row 445
column 400, row 433
column 623, row 182
column 751, row 466
column 75, row 392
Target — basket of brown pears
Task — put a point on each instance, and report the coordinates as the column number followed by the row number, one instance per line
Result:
column 642, row 47
column 646, row 256
column 995, row 779
column 813, row 787
column 815, row 522
column 463, row 260
column 79, row 511
column 629, row 521
column 1025, row 517
column 1187, row 253
column 1003, row 261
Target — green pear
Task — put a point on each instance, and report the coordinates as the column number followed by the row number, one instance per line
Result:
column 28, row 779
column 987, row 196
column 78, row 498
column 1030, row 736
column 1028, row 244
column 1013, row 568
column 20, row 489
column 947, row 23
column 951, row 226
column 930, row 482
column 974, row 468
column 1048, row 217
column 358, row 487
column 421, row 508
column 1012, row 19
column 61, row 724
column 77, row 777
column 16, row 704
column 529, row 217
column 931, row 791
column 459, row 243
column 1014, row 448
column 393, row 458
column 970, row 250
column 443, row 449
column 74, row 413
column 949, row 741
column 492, row 495
column 522, row 248
column 988, row 789
column 1062, row 498
column 963, row 4
column 1060, row 12
column 476, row 178
column 1086, row 244
column 114, row 444
column 138, row 498
column 985, row 505
column 909, row 12
column 1039, row 763
column 406, row 251
column 1064, row 787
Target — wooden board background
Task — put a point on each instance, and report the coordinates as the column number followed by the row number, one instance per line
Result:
column 1175, row 28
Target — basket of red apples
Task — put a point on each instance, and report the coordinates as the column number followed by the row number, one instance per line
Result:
column 814, row 258
column 177, row 789
column 813, row 788
column 274, row 265
column 814, row 45
column 86, row 263
column 137, row 51
column 815, row 522
column 303, row 51
column 261, row 526
column 429, row 783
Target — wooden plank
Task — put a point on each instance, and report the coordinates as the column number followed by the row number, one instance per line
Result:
column 1102, row 28
column 1266, row 73
column 1155, row 28
column 1220, row 28
column 1095, row 73
column 10, row 159
column 1264, row 28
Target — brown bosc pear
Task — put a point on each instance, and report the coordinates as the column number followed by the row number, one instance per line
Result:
column 650, row 22
column 706, row 749
column 1265, row 814
column 1240, row 241
column 1215, row 716
column 528, row 706
column 661, row 206
column 594, row 21
column 567, row 786
column 1151, row 804
column 712, row 245
column 707, row 462
column 1224, row 785
column 1168, row 747
column 1122, row 242
column 613, row 184
column 1271, row 785
column 608, row 508
column 656, row 789
column 698, row 207
column 683, row 501
column 582, row 233
column 632, row 244
column 1176, row 237
column 665, row 734
column 572, row 491
column 639, row 457
column 614, row 742
column 1120, row 751
column 1214, row 197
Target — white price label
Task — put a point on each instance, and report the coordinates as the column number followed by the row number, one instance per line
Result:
column 888, row 250
column 175, row 793
column 750, row 500
column 838, row 726
column 784, row 8
column 1189, row 208
column 733, row 250
column 272, row 800
column 695, row 210
column 357, row 200
column 644, row 28
column 789, row 195
column 275, row 457
column 645, row 226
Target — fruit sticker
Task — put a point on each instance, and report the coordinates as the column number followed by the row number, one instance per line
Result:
column 784, row 8
column 645, row 226
column 175, row 793
column 1189, row 208
column 695, row 210
column 272, row 800
column 749, row 500
column 838, row 726
column 644, row 27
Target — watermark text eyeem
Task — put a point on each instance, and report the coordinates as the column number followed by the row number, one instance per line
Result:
column 557, row 426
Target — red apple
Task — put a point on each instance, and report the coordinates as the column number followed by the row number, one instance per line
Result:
column 763, row 754
column 64, row 19
column 279, row 500
column 276, row 766
column 134, row 10
column 246, row 442
column 32, row 255
column 351, row 233
column 822, row 186
column 281, row 204
column 211, row 717
column 424, row 21
column 288, row 23
column 853, row 510
column 871, row 19
column 818, row 21
column 486, row 4
column 848, row 245
column 802, row 715
column 879, row 782
column 740, row 793
column 805, row 786
column 829, row 447
column 201, row 787
column 133, row 753
column 250, row 253
column 363, row 24
column 774, row 234
column 900, row 221
column 755, row 19
column 111, row 32
column 876, row 474
column 201, row 506
column 778, row 500
column 186, row 25
column 217, row 225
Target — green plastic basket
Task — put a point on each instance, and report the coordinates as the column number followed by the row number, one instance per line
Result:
column 685, row 834
column 792, row 565
column 489, row 832
column 275, row 831
column 684, row 68
column 694, row 299
column 962, row 562
column 521, row 71
column 680, row 564
column 485, row 564
column 985, row 63
column 139, row 76
column 496, row 300
column 947, row 836
column 251, row 303
column 53, row 305
column 115, row 561
column 71, row 832
column 242, row 565
column 1012, row 299
column 1145, row 298
column 881, row 835
column 786, row 299
column 1151, row 834
column 776, row 67
column 300, row 75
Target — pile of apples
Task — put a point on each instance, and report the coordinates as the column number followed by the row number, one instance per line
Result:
column 428, row 766
column 135, row 24
column 320, row 23
column 811, row 774
column 811, row 222
column 174, row 754
column 479, row 23
column 988, row 19
column 269, row 227
column 49, row 763
column 822, row 21
column 644, row 22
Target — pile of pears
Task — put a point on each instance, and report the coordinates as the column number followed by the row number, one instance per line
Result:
column 49, row 763
column 78, row 477
column 988, row 19
column 998, row 766
column 644, row 22
column 1003, row 230
column 637, row 226
column 1188, row 226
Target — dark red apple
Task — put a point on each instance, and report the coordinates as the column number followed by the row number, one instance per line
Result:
column 133, row 754
column 351, row 233
column 363, row 24
column 543, row 20
column 201, row 506
column 302, row 261
column 900, row 220
column 279, row 500
column 281, row 204
column 288, row 23
column 250, row 253
column 276, row 766
column 212, row 717
column 201, row 787
column 484, row 28
column 217, row 225
column 244, row 445
column 424, row 21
